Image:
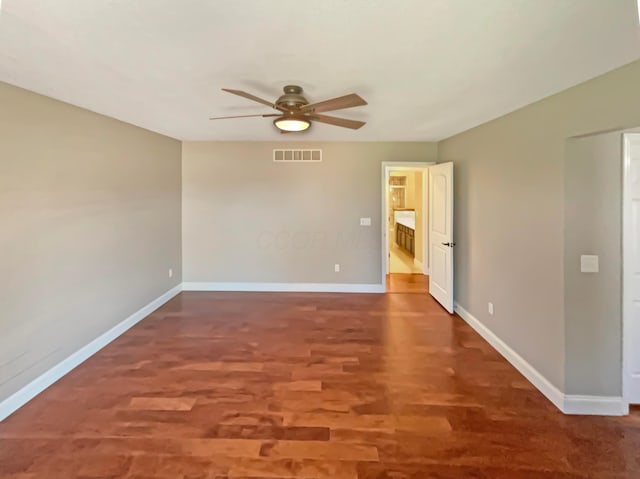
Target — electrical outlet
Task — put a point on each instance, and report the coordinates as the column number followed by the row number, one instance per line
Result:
column 336, row 268
column 170, row 272
column 491, row 309
column 365, row 221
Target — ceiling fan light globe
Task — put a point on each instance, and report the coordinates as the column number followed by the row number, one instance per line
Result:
column 287, row 123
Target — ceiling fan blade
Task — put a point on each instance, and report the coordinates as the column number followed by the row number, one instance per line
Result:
column 242, row 116
column 332, row 120
column 249, row 96
column 346, row 101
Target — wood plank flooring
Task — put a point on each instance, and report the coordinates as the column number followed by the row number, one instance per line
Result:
column 307, row 386
column 407, row 283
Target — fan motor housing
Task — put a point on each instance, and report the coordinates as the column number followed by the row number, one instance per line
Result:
column 292, row 97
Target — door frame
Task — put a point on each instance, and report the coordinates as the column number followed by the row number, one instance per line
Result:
column 627, row 246
column 387, row 166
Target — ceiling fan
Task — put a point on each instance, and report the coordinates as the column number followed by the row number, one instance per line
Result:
column 297, row 114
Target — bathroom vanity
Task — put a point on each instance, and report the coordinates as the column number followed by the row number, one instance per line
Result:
column 405, row 228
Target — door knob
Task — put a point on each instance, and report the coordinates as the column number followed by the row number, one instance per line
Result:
column 450, row 245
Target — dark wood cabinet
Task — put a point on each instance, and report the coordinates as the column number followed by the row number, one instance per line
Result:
column 405, row 237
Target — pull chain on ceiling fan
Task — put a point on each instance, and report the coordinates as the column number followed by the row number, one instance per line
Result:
column 297, row 114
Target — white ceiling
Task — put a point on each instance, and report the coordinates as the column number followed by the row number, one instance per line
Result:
column 428, row 68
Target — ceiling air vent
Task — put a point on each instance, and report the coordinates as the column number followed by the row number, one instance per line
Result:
column 297, row 156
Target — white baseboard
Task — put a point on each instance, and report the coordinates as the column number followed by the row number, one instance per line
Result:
column 567, row 403
column 595, row 405
column 527, row 370
column 286, row 287
column 35, row 387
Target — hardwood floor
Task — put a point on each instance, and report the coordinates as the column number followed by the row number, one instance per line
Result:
column 407, row 283
column 283, row 385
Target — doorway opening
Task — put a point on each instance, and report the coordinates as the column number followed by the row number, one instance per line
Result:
column 432, row 235
column 405, row 237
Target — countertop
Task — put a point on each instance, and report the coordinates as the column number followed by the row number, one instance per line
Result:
column 406, row 218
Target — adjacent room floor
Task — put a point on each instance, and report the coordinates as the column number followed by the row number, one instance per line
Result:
column 400, row 261
column 407, row 283
column 292, row 385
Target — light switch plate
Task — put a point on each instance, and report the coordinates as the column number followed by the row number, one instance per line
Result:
column 589, row 263
column 365, row 221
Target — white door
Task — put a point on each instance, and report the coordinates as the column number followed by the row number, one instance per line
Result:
column 441, row 234
column 631, row 268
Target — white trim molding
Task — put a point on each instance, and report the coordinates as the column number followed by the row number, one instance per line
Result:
column 527, row 370
column 568, row 404
column 629, row 342
column 595, row 405
column 42, row 382
column 286, row 287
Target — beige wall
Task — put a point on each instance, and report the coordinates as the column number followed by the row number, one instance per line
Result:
column 248, row 219
column 593, row 302
column 410, row 192
column 90, row 215
column 509, row 221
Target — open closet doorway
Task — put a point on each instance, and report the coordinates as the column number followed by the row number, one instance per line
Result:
column 405, row 235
